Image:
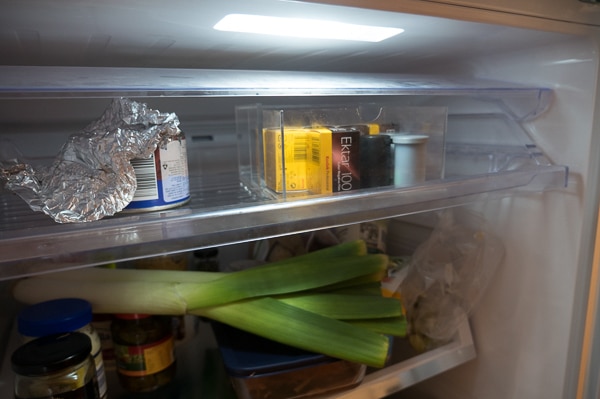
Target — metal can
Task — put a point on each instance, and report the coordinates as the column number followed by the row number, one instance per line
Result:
column 60, row 316
column 162, row 179
column 144, row 351
column 55, row 366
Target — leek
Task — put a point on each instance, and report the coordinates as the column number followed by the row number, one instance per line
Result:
column 394, row 326
column 286, row 301
column 348, row 306
column 354, row 283
column 273, row 279
column 369, row 288
column 101, row 274
column 350, row 248
column 108, row 295
column 289, row 325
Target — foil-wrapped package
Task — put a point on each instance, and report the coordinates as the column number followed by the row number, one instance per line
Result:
column 92, row 177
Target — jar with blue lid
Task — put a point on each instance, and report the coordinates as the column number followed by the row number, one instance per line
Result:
column 61, row 316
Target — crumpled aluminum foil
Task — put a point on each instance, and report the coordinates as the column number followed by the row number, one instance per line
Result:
column 92, row 177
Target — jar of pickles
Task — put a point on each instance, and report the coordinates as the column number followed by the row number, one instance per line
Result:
column 144, row 351
column 59, row 316
column 55, row 366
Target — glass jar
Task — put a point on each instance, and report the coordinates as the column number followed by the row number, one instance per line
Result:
column 176, row 261
column 206, row 260
column 59, row 316
column 55, row 366
column 144, row 351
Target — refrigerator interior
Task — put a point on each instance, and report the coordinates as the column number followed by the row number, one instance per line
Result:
column 525, row 337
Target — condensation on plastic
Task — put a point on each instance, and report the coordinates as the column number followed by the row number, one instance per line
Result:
column 447, row 276
column 91, row 177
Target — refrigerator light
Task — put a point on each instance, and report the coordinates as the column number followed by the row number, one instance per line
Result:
column 304, row 28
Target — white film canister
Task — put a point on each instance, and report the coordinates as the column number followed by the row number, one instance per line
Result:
column 410, row 158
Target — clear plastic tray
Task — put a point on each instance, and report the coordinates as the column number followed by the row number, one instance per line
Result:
column 302, row 150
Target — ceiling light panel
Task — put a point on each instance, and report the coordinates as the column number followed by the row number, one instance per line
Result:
column 304, row 28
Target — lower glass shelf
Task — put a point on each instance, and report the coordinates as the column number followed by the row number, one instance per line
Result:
column 200, row 372
column 410, row 368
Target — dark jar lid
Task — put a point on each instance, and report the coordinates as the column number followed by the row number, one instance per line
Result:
column 55, row 316
column 51, row 354
column 206, row 253
column 131, row 316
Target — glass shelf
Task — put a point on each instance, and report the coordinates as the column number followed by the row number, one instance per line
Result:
column 222, row 211
column 94, row 82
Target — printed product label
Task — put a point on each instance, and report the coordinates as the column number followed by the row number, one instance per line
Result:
column 334, row 163
column 137, row 361
column 102, row 328
column 163, row 178
column 174, row 171
column 100, row 374
column 292, row 163
column 320, row 164
column 345, row 153
column 98, row 359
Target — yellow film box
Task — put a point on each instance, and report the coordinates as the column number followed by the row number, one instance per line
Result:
column 320, row 163
column 289, row 149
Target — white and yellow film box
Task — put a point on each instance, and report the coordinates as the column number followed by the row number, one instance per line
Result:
column 290, row 151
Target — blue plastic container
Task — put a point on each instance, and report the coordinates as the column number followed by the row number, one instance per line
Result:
column 260, row 368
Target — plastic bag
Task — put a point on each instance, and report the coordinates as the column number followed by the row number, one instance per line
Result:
column 448, row 273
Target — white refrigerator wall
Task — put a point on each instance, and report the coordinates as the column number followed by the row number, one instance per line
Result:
column 529, row 324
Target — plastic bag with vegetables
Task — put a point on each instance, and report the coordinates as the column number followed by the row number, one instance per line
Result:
column 447, row 276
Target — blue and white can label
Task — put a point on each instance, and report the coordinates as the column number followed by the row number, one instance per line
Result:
column 162, row 179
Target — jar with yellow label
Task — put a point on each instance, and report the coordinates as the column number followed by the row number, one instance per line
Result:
column 144, row 351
